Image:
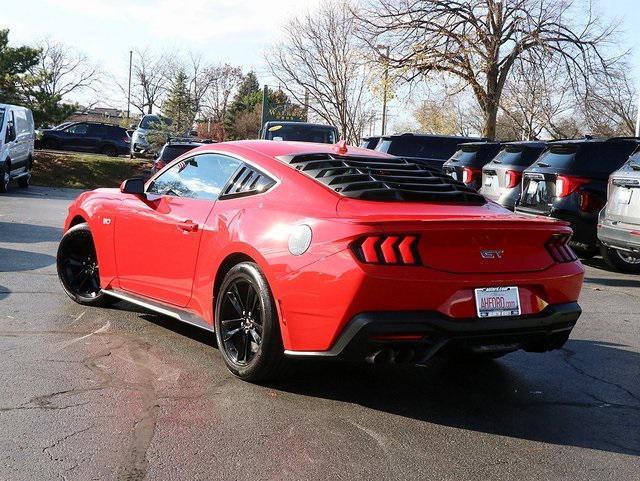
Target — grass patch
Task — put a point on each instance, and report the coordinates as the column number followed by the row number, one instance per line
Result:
column 84, row 171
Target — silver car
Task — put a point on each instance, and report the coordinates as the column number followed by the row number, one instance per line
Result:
column 501, row 177
column 140, row 144
column 619, row 221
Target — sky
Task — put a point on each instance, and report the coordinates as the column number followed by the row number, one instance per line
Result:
column 234, row 31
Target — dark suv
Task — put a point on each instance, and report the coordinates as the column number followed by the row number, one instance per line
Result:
column 501, row 177
column 569, row 182
column 88, row 137
column 432, row 150
column 369, row 142
column 173, row 149
column 466, row 163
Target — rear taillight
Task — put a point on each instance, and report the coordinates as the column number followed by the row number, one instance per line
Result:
column 558, row 248
column 126, row 139
column 513, row 178
column 568, row 184
column 591, row 201
column 469, row 174
column 387, row 249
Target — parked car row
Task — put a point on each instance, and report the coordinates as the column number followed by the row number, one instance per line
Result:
column 93, row 137
column 571, row 180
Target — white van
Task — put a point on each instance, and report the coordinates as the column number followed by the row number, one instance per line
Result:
column 17, row 137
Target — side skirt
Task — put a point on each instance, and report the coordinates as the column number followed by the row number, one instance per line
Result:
column 160, row 308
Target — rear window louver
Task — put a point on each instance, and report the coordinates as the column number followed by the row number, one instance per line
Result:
column 246, row 181
column 384, row 179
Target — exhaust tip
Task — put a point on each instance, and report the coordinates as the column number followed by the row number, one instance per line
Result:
column 383, row 356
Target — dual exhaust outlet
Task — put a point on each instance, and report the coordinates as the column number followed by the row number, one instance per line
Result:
column 391, row 356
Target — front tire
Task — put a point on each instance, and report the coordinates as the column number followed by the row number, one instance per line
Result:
column 247, row 327
column 110, row 151
column 77, row 265
column 620, row 260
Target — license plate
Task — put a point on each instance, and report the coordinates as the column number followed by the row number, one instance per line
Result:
column 532, row 189
column 488, row 181
column 624, row 196
column 497, row 301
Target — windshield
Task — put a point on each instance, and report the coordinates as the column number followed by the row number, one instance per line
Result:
column 153, row 121
column 587, row 159
column 517, row 157
column 302, row 133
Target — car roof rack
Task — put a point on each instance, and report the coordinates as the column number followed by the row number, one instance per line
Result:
column 382, row 178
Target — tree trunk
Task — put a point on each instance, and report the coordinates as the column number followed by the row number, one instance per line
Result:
column 490, row 120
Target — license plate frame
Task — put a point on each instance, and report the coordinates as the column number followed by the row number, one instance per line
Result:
column 497, row 302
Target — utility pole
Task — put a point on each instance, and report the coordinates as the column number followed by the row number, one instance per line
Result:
column 129, row 94
column 638, row 118
column 384, row 86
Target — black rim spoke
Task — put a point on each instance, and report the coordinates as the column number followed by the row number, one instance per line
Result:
column 81, row 267
column 241, row 335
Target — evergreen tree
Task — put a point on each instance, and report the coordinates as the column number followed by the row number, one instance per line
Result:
column 243, row 106
column 179, row 105
column 14, row 63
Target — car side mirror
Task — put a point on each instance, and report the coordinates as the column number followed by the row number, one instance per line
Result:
column 133, row 186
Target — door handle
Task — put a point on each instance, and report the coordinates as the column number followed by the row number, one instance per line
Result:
column 187, row 226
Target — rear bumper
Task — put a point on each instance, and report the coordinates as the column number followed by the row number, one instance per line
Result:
column 418, row 335
column 582, row 224
column 620, row 237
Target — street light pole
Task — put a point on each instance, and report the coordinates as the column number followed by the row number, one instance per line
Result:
column 129, row 93
column 384, row 87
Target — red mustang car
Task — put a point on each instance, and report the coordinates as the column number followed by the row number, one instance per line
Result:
column 289, row 250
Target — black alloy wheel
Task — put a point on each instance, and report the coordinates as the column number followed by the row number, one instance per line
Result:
column 241, row 321
column 77, row 265
column 247, row 327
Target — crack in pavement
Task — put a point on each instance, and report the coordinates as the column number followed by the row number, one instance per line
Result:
column 46, row 449
column 567, row 354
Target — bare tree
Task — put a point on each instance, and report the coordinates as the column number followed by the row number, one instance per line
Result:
column 610, row 104
column 151, row 76
column 449, row 117
column 62, row 71
column 224, row 80
column 479, row 41
column 319, row 55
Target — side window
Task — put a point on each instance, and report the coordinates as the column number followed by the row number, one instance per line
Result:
column 199, row 177
column 21, row 122
column 77, row 129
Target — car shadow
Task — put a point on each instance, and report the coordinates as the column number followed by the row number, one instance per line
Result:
column 12, row 260
column 15, row 232
column 57, row 193
column 577, row 408
column 582, row 395
column 4, row 292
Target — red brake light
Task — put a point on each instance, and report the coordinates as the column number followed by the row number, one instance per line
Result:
column 126, row 139
column 387, row 249
column 513, row 178
column 568, row 184
column 468, row 174
column 559, row 249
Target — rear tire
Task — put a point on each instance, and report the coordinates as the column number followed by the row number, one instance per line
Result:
column 77, row 265
column 109, row 150
column 247, row 326
column 620, row 260
column 25, row 180
column 5, row 177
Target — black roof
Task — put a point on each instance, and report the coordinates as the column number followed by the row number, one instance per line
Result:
column 596, row 140
column 532, row 144
column 434, row 136
column 293, row 122
column 382, row 178
column 481, row 145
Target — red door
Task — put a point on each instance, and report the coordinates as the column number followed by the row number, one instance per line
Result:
column 156, row 245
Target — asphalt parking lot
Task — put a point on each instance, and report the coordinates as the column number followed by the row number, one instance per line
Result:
column 120, row 393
